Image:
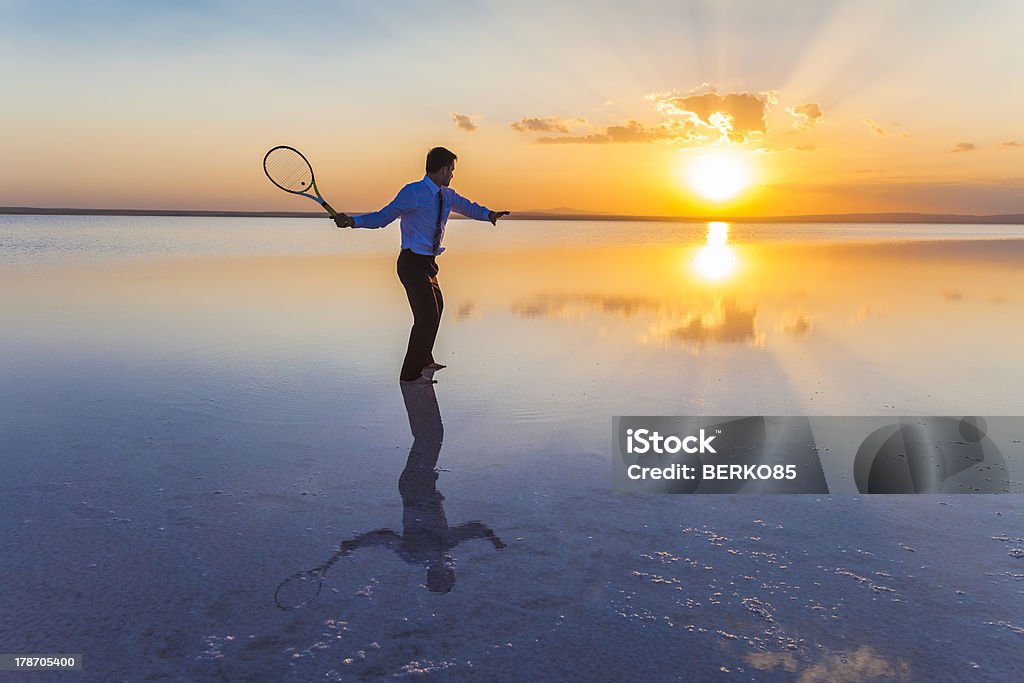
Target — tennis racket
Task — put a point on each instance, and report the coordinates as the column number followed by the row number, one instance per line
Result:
column 302, row 588
column 289, row 170
column 299, row 590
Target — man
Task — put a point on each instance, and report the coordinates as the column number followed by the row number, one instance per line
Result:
column 424, row 207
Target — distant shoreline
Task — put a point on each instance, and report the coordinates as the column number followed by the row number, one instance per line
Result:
column 1000, row 219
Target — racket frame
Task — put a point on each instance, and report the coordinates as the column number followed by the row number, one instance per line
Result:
column 312, row 180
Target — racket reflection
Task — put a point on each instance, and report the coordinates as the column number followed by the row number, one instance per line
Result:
column 427, row 539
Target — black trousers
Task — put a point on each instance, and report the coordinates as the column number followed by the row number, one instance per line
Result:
column 418, row 274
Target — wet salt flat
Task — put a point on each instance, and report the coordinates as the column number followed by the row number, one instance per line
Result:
column 211, row 472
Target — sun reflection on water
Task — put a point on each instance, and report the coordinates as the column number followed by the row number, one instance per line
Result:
column 716, row 260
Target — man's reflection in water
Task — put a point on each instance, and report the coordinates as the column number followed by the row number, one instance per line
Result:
column 426, row 537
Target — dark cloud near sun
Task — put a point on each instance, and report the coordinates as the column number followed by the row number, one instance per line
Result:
column 963, row 147
column 1012, row 143
column 736, row 116
column 702, row 115
column 464, row 122
column 699, row 116
column 806, row 115
column 544, row 124
column 630, row 131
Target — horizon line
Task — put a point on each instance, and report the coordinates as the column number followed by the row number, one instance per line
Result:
column 566, row 214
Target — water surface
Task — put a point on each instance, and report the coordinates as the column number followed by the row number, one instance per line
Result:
column 189, row 423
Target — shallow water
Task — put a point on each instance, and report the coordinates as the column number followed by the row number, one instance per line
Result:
column 181, row 436
column 33, row 241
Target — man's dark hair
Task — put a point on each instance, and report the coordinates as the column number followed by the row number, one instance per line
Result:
column 438, row 158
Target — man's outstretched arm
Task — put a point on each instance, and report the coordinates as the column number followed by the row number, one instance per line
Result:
column 473, row 210
column 384, row 537
column 402, row 202
column 471, row 530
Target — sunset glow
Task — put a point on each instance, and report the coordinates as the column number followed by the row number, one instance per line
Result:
column 717, row 175
column 702, row 109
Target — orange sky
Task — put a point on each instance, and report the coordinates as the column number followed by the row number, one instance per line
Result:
column 834, row 106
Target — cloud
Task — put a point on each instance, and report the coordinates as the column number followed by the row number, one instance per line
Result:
column 776, row 150
column 698, row 116
column 694, row 117
column 963, row 147
column 464, row 122
column 806, row 115
column 630, row 131
column 1012, row 143
column 727, row 322
column 874, row 127
column 735, row 116
column 544, row 124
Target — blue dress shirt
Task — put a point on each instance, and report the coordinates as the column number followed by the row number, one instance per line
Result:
column 416, row 203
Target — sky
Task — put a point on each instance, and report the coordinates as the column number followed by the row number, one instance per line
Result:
column 829, row 107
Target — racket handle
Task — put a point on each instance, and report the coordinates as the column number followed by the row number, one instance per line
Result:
column 330, row 210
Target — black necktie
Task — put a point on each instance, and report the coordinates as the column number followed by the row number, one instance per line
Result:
column 437, row 230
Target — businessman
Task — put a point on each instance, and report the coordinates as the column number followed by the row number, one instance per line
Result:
column 423, row 207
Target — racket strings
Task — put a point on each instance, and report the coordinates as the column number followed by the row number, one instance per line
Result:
column 299, row 590
column 289, row 169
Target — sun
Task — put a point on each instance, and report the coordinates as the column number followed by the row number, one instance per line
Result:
column 718, row 175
